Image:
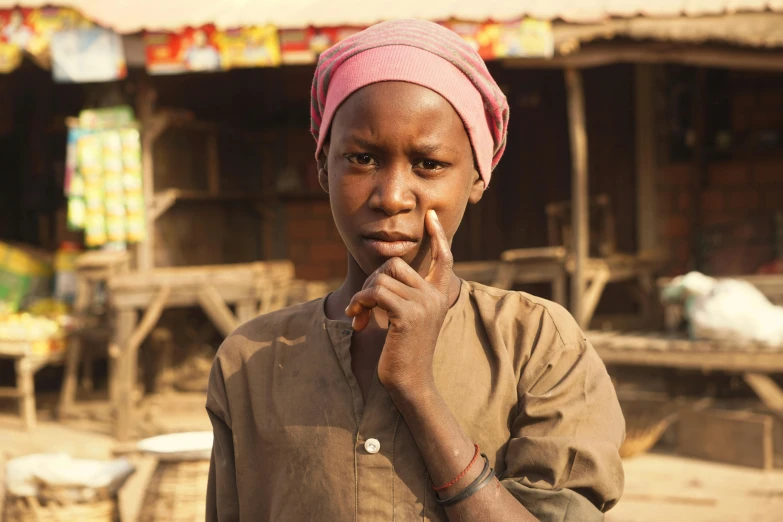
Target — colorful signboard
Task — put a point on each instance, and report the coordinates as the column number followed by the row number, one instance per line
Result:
column 527, row 38
column 208, row 49
column 31, row 30
column 302, row 46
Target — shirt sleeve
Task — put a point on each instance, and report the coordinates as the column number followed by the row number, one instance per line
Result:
column 222, row 493
column 563, row 461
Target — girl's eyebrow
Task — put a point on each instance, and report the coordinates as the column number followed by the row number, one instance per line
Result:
column 422, row 149
column 425, row 149
column 360, row 142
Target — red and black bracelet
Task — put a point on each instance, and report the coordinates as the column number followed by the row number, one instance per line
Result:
column 464, row 472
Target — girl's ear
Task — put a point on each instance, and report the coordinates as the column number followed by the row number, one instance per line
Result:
column 323, row 169
column 477, row 190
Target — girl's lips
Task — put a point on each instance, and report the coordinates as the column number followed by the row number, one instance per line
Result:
column 390, row 248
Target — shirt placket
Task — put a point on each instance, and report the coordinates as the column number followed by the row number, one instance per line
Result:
column 377, row 423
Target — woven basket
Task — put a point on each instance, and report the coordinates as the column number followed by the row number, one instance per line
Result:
column 32, row 509
column 646, row 418
column 177, row 492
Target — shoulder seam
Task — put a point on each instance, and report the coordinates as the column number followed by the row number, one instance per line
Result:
column 523, row 296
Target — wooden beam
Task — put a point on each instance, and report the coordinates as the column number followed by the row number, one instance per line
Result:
column 598, row 55
column 646, row 161
column 161, row 202
column 123, row 375
column 579, row 187
column 724, row 361
column 9, row 393
column 767, row 390
column 593, row 295
column 149, row 320
column 145, row 250
column 25, row 385
column 217, row 310
column 698, row 165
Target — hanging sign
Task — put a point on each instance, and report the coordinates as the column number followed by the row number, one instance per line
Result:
column 87, row 55
column 527, row 38
column 249, row 47
column 31, row 31
column 191, row 50
column 302, row 46
column 208, row 49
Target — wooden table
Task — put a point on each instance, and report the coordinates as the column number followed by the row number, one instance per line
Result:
column 535, row 265
column 26, row 363
column 636, row 270
column 252, row 288
column 553, row 265
column 753, row 361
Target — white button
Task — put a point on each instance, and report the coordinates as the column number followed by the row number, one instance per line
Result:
column 372, row 446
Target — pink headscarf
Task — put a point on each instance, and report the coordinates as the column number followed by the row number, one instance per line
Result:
column 423, row 53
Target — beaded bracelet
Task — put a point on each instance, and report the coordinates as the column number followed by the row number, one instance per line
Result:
column 482, row 480
column 464, row 472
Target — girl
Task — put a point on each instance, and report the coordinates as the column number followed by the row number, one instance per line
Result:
column 408, row 394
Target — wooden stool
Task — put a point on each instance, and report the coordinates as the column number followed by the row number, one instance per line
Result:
column 27, row 364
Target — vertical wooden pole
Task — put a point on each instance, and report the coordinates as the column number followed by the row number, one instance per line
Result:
column 124, row 374
column 145, row 108
column 646, row 161
column 699, row 166
column 68, row 392
column 25, row 385
column 579, row 188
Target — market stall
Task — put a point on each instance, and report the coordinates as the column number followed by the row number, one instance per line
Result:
column 754, row 361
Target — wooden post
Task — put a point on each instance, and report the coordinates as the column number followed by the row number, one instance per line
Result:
column 68, row 393
column 699, row 165
column 579, row 189
column 26, row 388
column 124, row 376
column 145, row 109
column 646, row 161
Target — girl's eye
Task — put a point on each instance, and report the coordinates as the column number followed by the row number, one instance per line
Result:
column 429, row 165
column 361, row 159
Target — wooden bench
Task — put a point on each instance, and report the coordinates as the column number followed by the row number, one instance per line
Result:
column 673, row 349
column 26, row 363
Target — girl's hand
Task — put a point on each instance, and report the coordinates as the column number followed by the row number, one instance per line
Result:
column 416, row 307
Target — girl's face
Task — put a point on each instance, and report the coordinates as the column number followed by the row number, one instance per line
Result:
column 397, row 150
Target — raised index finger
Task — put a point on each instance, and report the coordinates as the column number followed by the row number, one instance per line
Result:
column 442, row 261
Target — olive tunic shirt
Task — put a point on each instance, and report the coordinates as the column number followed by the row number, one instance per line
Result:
column 295, row 441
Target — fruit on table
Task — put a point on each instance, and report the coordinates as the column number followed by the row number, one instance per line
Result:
column 27, row 327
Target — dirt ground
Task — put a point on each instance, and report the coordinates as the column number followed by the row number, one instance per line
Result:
column 659, row 486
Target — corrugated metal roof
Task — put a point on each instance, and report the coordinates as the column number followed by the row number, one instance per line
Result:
column 129, row 16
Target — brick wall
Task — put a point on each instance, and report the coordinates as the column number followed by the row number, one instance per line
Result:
column 738, row 203
column 313, row 243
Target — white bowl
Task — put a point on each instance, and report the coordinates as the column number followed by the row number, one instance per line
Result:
column 194, row 445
